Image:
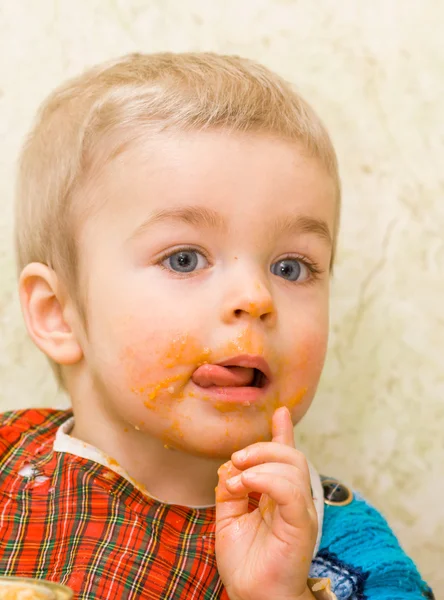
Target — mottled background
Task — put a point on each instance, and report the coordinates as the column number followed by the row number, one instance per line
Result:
column 375, row 72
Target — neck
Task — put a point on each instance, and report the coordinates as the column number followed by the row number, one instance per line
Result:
column 168, row 475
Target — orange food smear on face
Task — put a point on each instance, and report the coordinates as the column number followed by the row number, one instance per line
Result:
column 185, row 353
column 162, row 385
column 152, row 391
column 247, row 342
column 254, row 310
column 185, row 350
column 297, row 398
column 173, row 432
column 225, row 407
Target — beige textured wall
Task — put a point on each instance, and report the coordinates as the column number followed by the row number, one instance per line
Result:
column 375, row 71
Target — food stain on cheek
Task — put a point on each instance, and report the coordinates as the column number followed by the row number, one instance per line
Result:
column 184, row 350
column 296, row 398
column 300, row 370
column 151, row 392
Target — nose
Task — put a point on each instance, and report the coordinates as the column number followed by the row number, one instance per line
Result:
column 249, row 299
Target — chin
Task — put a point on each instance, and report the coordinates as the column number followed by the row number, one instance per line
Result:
column 218, row 447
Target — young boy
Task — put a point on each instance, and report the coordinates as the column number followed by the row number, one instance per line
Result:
column 177, row 217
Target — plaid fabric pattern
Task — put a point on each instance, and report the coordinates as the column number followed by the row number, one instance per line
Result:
column 72, row 521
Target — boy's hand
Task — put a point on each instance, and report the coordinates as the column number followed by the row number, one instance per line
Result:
column 266, row 553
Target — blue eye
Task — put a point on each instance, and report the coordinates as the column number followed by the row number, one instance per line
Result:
column 290, row 269
column 185, row 261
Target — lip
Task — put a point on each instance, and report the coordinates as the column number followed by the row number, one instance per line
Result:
column 234, row 396
column 250, row 362
column 244, row 395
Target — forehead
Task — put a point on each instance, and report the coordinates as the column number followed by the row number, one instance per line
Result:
column 233, row 173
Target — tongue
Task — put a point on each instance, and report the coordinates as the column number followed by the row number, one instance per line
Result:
column 215, row 375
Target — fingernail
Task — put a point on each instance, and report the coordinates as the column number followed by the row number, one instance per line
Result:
column 233, row 480
column 240, row 455
column 250, row 475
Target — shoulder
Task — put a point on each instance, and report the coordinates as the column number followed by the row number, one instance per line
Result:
column 355, row 524
column 22, row 428
column 361, row 551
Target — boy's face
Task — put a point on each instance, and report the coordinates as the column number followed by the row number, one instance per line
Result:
column 207, row 249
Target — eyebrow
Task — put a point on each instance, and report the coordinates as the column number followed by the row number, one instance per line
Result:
column 302, row 224
column 197, row 216
column 200, row 216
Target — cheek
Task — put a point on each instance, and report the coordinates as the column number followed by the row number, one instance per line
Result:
column 309, row 352
column 302, row 366
column 160, row 364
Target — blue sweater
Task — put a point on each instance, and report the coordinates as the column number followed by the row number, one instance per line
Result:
column 362, row 557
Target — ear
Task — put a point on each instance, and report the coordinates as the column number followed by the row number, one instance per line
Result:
column 49, row 314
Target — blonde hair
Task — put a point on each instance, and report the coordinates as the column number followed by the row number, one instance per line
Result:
column 189, row 91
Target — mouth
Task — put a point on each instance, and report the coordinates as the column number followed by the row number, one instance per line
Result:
column 240, row 379
column 259, row 379
column 255, row 367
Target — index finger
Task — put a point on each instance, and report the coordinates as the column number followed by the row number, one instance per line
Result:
column 282, row 427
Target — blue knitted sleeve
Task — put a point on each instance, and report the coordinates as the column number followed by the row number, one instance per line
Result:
column 363, row 558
